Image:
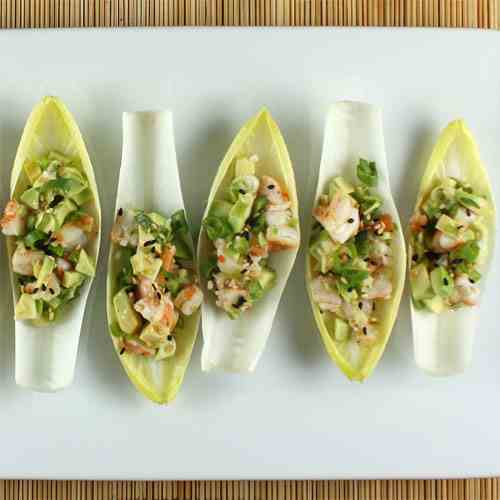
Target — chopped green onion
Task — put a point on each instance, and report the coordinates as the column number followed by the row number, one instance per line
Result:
column 367, row 172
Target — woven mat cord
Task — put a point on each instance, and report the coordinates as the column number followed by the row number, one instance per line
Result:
column 92, row 13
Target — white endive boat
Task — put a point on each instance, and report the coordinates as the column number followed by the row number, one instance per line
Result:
column 236, row 345
column 149, row 182
column 354, row 131
column 46, row 350
column 443, row 340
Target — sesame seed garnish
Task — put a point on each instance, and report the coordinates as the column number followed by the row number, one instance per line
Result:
column 120, row 212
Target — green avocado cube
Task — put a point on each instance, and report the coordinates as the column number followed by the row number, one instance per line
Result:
column 32, row 170
column 31, row 197
column 128, row 318
column 72, row 279
column 26, row 308
column 85, row 264
column 420, row 282
column 442, row 282
column 63, row 209
column 240, row 212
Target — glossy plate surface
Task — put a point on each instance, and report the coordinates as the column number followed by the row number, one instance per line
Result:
column 297, row 416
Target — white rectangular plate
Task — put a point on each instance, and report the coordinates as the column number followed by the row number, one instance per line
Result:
column 297, row 416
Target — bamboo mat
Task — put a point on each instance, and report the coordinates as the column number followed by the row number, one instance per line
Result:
column 82, row 13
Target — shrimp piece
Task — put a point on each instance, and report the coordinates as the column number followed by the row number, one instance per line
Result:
column 258, row 251
column 167, row 257
column 418, row 222
column 137, row 347
column 282, row 238
column 340, row 217
column 442, row 243
column 24, row 259
column 380, row 289
column 144, row 288
column 277, row 215
column 85, row 222
column 381, row 253
column 13, row 222
column 70, row 236
column 154, row 307
column 388, row 223
column 189, row 299
column 62, row 265
column 324, row 295
column 170, row 316
column 271, row 189
column 124, row 231
column 228, row 298
column 466, row 292
column 227, row 262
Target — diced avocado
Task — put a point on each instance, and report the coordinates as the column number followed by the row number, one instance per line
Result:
column 32, row 170
column 72, row 173
column 243, row 185
column 420, row 282
column 240, row 211
column 166, row 350
column 435, row 304
column 220, row 208
column 46, row 223
column 128, row 318
column 26, row 307
column 343, row 185
column 323, row 250
column 85, row 264
column 267, row 278
column 244, row 166
column 145, row 265
column 82, row 197
column 341, row 330
column 72, row 279
column 46, row 269
column 441, row 282
column 31, row 197
column 144, row 236
column 154, row 335
column 63, row 209
column 159, row 219
column 447, row 225
column 74, row 188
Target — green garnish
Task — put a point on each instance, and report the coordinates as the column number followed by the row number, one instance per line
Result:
column 367, row 172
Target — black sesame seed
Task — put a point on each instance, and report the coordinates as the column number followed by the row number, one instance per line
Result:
column 158, row 294
column 467, row 211
column 44, row 287
column 149, row 242
column 460, row 227
column 243, row 271
column 242, row 191
column 120, row 212
column 122, row 350
column 351, row 220
column 414, row 258
column 271, row 187
column 246, row 235
column 472, row 281
column 350, row 289
column 360, row 305
column 365, row 331
column 51, row 290
column 240, row 302
column 445, row 281
column 169, row 338
column 35, row 290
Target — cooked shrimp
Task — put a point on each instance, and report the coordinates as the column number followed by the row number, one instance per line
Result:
column 137, row 347
column 13, row 222
column 62, row 265
column 156, row 308
column 124, row 232
column 226, row 261
column 271, row 189
column 189, row 299
column 465, row 217
column 381, row 287
column 167, row 257
column 282, row 238
column 466, row 292
column 70, row 236
column 24, row 259
column 232, row 297
column 340, row 217
column 85, row 222
column 442, row 243
column 258, row 251
column 277, row 215
column 418, row 222
column 322, row 289
column 380, row 253
column 144, row 288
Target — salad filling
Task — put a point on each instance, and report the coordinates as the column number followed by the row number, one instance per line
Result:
column 351, row 257
column 156, row 285
column 51, row 229
column 253, row 221
column 448, row 243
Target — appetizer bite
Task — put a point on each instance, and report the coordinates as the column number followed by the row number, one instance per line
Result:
column 355, row 264
column 157, row 286
column 248, row 244
column 451, row 241
column 153, row 297
column 52, row 224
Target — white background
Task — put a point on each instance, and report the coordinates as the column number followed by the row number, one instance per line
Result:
column 297, row 416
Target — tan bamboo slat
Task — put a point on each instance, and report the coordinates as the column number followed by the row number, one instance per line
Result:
column 100, row 13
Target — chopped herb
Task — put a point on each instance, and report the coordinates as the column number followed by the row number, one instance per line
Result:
column 367, row 172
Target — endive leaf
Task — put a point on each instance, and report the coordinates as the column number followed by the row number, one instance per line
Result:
column 354, row 130
column 149, row 180
column 443, row 342
column 236, row 345
column 46, row 355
